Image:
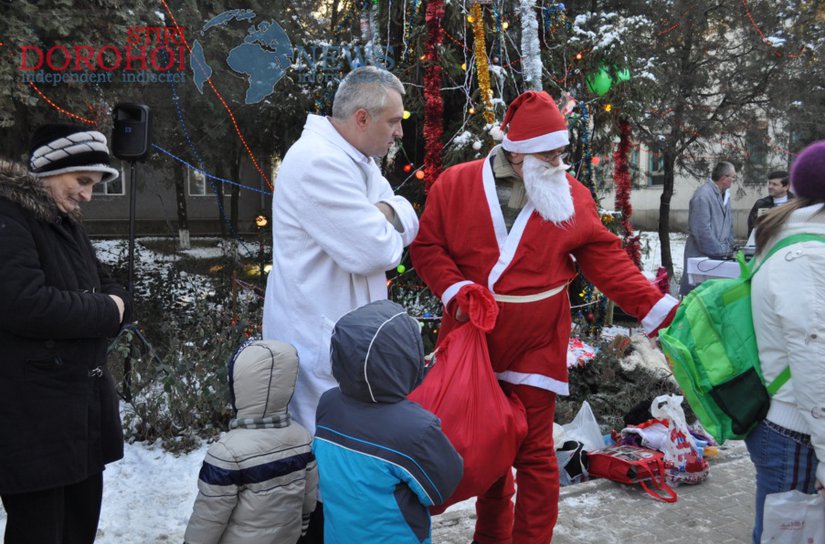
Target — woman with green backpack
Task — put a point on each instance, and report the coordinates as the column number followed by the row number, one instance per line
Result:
column 788, row 300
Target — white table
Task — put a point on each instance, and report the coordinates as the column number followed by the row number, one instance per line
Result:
column 700, row 269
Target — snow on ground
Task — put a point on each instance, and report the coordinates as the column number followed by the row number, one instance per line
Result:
column 148, row 495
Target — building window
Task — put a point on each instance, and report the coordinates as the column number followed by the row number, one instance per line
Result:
column 633, row 165
column 756, row 164
column 655, row 168
column 113, row 188
column 196, row 182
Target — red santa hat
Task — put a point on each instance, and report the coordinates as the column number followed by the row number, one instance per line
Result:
column 536, row 124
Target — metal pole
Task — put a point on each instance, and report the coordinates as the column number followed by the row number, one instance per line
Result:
column 127, row 364
column 132, row 198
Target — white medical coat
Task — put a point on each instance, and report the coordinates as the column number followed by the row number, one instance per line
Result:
column 331, row 248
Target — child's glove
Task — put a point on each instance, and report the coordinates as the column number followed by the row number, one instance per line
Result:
column 478, row 304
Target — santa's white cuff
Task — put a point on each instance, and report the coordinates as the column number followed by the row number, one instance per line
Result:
column 656, row 316
column 452, row 291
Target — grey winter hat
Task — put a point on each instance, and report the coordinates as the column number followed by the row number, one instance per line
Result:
column 58, row 148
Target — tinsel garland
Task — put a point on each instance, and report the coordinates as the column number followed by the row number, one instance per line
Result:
column 498, row 27
column 409, row 16
column 621, row 177
column 482, row 68
column 530, row 50
column 369, row 29
column 433, row 103
column 588, row 158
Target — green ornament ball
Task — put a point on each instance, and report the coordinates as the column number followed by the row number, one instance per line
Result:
column 600, row 82
column 401, row 268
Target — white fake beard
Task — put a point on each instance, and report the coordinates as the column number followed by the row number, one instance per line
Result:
column 548, row 189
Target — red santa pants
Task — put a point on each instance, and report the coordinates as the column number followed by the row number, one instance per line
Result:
column 537, row 476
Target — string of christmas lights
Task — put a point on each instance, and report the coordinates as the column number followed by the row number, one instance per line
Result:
column 223, row 102
column 58, row 108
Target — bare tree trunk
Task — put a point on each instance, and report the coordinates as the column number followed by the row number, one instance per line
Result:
column 221, row 173
column 183, row 217
column 333, row 20
column 234, row 195
column 664, row 212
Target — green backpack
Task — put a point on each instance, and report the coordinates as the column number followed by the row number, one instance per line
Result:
column 711, row 348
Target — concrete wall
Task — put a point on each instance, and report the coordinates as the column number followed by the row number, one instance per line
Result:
column 646, row 201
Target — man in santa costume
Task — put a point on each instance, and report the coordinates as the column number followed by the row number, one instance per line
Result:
column 516, row 223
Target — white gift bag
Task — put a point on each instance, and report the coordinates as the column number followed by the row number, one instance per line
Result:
column 585, row 429
column 793, row 517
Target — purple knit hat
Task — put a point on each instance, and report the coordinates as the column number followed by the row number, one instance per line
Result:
column 808, row 172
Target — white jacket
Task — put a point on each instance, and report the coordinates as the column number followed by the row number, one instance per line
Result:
column 331, row 249
column 788, row 298
column 258, row 483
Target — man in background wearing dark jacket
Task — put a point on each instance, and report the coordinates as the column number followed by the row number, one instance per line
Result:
column 778, row 193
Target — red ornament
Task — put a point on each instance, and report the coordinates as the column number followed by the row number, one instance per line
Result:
column 595, row 160
column 408, row 168
column 419, row 174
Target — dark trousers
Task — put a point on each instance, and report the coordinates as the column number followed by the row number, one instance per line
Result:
column 315, row 531
column 62, row 515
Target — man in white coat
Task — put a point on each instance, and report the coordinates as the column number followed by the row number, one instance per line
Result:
column 337, row 227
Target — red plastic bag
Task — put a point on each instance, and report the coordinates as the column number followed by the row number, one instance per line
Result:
column 483, row 424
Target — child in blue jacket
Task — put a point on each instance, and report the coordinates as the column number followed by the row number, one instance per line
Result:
column 382, row 460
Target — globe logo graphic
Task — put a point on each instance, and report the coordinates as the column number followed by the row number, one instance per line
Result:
column 263, row 57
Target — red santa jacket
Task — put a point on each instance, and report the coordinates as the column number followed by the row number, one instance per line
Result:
column 463, row 238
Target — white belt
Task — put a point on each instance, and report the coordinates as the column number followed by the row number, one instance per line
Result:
column 520, row 299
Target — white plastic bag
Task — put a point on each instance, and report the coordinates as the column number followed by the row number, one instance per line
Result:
column 683, row 458
column 793, row 517
column 585, row 429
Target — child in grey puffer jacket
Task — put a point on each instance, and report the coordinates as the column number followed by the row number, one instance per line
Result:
column 258, row 483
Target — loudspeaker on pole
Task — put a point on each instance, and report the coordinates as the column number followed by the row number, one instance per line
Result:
column 131, row 132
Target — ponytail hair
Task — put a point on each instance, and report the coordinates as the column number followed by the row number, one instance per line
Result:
column 771, row 223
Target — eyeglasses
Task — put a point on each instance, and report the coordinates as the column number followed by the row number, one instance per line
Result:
column 550, row 156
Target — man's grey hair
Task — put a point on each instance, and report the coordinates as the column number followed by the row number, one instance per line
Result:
column 722, row 168
column 365, row 87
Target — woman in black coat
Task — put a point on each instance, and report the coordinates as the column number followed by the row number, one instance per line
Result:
column 59, row 418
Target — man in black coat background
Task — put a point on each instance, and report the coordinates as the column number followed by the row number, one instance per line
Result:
column 778, row 193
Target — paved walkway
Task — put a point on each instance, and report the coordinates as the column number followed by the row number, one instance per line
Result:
column 718, row 511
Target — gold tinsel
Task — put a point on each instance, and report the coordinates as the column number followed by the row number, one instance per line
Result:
column 482, row 68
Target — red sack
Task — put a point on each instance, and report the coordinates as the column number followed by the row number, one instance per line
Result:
column 483, row 424
column 632, row 465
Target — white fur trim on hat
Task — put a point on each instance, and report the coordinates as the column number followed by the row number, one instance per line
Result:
column 545, row 142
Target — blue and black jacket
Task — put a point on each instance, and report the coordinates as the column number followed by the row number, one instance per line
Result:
column 382, row 460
